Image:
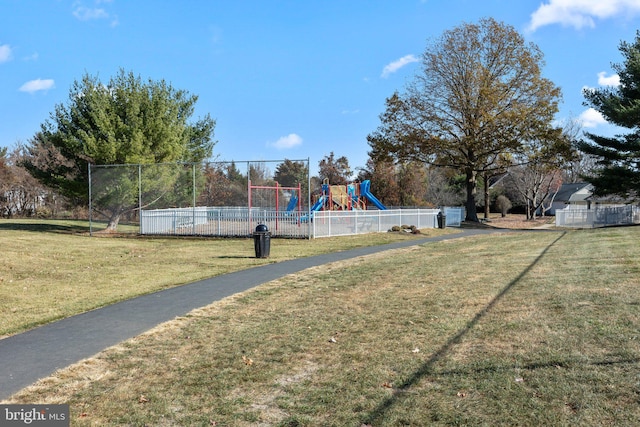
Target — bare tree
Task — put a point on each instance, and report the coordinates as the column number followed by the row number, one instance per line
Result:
column 21, row 194
column 440, row 192
column 535, row 185
column 582, row 164
column 538, row 174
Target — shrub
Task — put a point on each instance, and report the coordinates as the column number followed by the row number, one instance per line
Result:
column 503, row 204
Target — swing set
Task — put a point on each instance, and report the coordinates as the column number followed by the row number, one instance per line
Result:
column 294, row 205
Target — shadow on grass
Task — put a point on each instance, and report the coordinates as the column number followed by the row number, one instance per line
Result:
column 234, row 257
column 378, row 414
column 554, row 364
column 45, row 227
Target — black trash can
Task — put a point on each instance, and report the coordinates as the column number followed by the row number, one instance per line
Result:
column 442, row 220
column 262, row 241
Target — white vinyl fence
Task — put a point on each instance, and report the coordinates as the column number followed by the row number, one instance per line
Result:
column 454, row 216
column 343, row 223
column 221, row 222
column 598, row 216
column 240, row 222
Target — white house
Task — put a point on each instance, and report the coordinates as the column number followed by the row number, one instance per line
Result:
column 576, row 195
column 579, row 195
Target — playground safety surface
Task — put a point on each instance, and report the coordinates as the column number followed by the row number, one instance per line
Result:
column 35, row 354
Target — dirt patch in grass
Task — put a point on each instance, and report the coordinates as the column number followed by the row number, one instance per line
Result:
column 516, row 221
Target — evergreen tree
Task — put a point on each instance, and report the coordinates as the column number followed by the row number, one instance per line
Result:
column 618, row 162
column 290, row 174
column 125, row 121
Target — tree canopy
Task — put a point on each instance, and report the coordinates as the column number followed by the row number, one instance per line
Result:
column 291, row 173
column 618, row 164
column 478, row 96
column 123, row 121
column 336, row 170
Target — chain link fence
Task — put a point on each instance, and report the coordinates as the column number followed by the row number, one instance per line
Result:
column 202, row 199
column 230, row 199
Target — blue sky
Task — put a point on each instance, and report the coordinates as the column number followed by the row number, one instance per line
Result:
column 284, row 79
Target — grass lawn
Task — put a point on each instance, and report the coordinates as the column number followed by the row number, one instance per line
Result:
column 52, row 269
column 530, row 328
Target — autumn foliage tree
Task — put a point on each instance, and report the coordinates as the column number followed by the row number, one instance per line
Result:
column 384, row 181
column 412, row 183
column 20, row 193
column 479, row 94
column 335, row 169
column 216, row 190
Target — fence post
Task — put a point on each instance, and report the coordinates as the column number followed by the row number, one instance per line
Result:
column 140, row 197
column 90, row 203
column 355, row 221
column 193, row 191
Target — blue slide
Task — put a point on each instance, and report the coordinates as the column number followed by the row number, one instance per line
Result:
column 318, row 204
column 365, row 190
column 292, row 203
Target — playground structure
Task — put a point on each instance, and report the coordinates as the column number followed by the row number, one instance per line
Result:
column 354, row 196
column 220, row 199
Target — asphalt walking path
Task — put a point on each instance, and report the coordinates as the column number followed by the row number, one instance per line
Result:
column 27, row 357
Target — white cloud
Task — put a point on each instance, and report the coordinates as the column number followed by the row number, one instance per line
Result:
column 591, row 118
column 87, row 13
column 289, row 141
column 5, row 53
column 396, row 65
column 84, row 13
column 33, row 57
column 37, row 85
column 603, row 80
column 580, row 13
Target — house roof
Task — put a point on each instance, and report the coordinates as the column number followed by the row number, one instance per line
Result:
column 574, row 192
column 496, row 179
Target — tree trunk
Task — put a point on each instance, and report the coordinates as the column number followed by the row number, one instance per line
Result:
column 529, row 209
column 472, row 214
column 112, row 226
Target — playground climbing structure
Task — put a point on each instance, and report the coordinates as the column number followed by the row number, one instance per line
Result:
column 354, row 196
